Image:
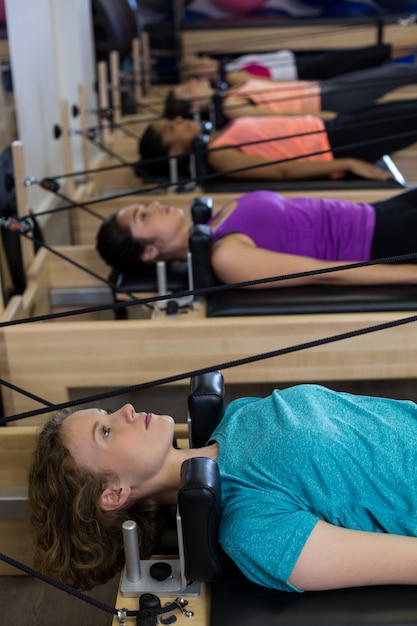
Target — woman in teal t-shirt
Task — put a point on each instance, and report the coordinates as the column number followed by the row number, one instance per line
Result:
column 319, row 488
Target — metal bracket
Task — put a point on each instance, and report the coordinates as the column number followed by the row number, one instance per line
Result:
column 172, row 303
column 136, row 575
column 24, row 225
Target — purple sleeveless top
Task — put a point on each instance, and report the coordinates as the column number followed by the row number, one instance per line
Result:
column 333, row 230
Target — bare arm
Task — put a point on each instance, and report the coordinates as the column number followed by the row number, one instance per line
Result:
column 335, row 557
column 235, row 258
column 232, row 158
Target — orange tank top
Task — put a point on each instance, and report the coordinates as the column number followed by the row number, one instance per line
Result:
column 299, row 96
column 278, row 137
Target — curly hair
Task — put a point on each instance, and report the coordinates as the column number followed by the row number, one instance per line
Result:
column 76, row 542
column 117, row 246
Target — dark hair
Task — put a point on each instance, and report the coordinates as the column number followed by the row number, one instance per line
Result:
column 176, row 106
column 117, row 246
column 74, row 540
column 151, row 147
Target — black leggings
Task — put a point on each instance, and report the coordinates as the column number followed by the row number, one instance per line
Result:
column 330, row 63
column 358, row 90
column 395, row 226
column 370, row 133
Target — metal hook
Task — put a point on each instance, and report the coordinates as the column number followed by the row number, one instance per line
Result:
column 181, row 603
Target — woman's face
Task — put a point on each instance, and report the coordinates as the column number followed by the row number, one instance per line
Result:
column 201, row 65
column 197, row 91
column 132, row 446
column 156, row 222
column 177, row 134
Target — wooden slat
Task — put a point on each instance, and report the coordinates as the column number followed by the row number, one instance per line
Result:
column 296, row 37
column 49, row 358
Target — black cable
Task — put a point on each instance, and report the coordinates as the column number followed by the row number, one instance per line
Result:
column 59, row 585
column 213, row 175
column 220, row 366
column 28, row 394
column 50, row 185
column 84, row 269
column 205, row 290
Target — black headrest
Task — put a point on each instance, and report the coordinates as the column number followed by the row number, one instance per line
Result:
column 205, row 406
column 200, row 243
column 222, row 72
column 199, row 497
column 217, row 108
column 199, row 503
column 200, row 141
column 201, row 209
column 199, row 147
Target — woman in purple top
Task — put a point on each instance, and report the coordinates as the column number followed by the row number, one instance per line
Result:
column 263, row 234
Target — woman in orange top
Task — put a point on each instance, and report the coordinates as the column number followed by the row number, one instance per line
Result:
column 257, row 96
column 290, row 147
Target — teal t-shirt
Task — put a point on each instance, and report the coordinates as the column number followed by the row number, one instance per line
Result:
column 307, row 453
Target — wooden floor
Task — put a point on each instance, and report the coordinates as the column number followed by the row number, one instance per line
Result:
column 26, row 601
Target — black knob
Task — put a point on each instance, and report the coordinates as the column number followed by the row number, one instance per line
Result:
column 172, row 309
column 160, row 571
column 146, row 618
column 149, row 601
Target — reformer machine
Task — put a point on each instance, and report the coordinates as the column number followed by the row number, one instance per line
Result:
column 231, row 599
column 244, row 302
column 200, row 174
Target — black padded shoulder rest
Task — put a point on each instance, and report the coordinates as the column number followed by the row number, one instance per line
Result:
column 200, row 243
column 205, row 407
column 199, row 502
column 201, row 209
